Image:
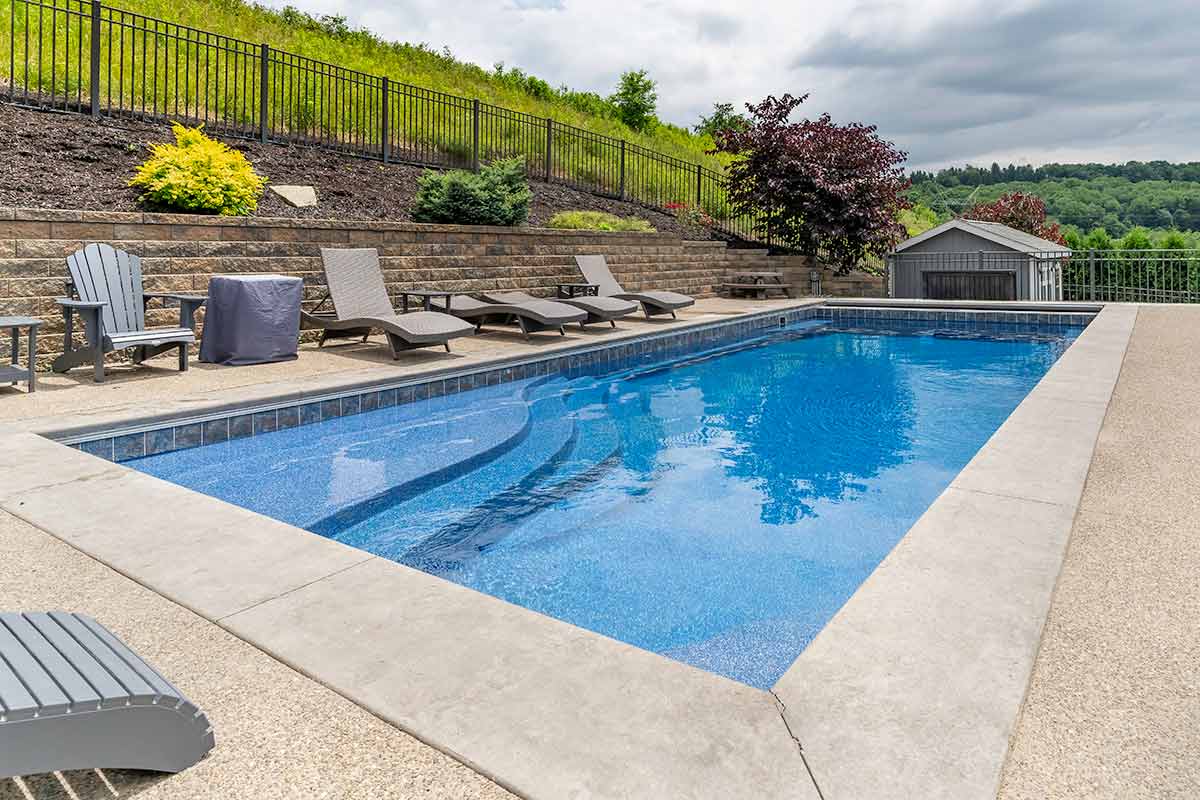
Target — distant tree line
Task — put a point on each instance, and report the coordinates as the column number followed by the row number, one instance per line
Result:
column 1133, row 171
column 1116, row 204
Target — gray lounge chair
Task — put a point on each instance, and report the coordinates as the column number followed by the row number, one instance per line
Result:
column 361, row 305
column 73, row 696
column 595, row 270
column 598, row 309
column 106, row 290
column 538, row 315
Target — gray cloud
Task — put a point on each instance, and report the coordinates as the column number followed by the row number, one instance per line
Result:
column 1060, row 77
column 716, row 27
column 556, row 5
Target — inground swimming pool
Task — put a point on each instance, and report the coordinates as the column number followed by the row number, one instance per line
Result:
column 717, row 508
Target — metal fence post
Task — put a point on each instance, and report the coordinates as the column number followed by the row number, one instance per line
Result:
column 549, row 146
column 475, row 135
column 385, row 122
column 622, row 185
column 698, row 177
column 1091, row 274
column 264, row 73
column 95, row 65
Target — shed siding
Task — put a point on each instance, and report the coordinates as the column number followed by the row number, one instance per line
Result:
column 954, row 241
column 955, row 250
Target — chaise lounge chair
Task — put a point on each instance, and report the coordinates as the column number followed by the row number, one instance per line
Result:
column 74, row 697
column 361, row 305
column 595, row 270
column 106, row 290
column 538, row 315
column 598, row 309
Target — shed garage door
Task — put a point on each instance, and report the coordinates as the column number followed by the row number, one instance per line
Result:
column 973, row 285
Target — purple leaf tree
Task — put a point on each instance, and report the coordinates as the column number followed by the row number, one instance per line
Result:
column 828, row 188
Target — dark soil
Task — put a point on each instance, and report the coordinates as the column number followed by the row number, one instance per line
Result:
column 55, row 160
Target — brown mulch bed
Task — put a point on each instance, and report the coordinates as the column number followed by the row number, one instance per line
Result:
column 56, row 160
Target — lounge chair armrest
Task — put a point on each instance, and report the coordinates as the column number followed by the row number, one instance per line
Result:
column 82, row 305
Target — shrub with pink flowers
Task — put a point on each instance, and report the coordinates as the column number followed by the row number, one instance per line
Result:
column 694, row 217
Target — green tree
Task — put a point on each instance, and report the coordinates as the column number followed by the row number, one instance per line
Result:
column 1174, row 240
column 1074, row 238
column 636, row 100
column 918, row 219
column 1098, row 239
column 722, row 118
column 1136, row 239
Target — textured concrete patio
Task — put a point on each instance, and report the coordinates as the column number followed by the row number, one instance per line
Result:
column 279, row 734
column 1113, row 707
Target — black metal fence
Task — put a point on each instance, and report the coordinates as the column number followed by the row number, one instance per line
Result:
column 87, row 57
column 1133, row 276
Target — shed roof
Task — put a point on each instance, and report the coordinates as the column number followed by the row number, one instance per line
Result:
column 1003, row 235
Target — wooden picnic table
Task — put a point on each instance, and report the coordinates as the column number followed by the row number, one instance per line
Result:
column 757, row 284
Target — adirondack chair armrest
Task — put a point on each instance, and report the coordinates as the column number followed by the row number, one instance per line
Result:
column 183, row 298
column 82, row 305
column 188, row 303
column 93, row 323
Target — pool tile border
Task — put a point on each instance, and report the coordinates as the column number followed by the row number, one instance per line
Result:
column 150, row 439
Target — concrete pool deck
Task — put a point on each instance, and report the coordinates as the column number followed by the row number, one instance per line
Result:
column 622, row 722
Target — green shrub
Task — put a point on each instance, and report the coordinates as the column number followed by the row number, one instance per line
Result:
column 496, row 195
column 198, row 175
column 598, row 221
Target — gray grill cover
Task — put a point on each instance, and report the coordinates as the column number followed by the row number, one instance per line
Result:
column 251, row 319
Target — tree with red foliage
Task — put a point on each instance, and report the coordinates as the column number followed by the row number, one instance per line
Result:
column 1025, row 212
column 815, row 185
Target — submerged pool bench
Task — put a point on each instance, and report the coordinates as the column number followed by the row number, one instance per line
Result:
column 73, row 696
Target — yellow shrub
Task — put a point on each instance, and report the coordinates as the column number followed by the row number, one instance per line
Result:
column 198, row 175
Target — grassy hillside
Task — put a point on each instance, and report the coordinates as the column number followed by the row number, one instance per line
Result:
column 329, row 39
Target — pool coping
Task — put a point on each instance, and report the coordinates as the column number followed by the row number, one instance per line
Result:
column 558, row 711
column 944, row 633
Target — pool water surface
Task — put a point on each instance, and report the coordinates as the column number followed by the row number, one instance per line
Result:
column 717, row 509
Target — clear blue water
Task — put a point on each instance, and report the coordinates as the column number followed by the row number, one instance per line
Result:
column 718, row 509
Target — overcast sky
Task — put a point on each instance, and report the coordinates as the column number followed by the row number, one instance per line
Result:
column 949, row 82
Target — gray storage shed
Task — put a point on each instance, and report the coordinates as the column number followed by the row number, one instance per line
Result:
column 965, row 259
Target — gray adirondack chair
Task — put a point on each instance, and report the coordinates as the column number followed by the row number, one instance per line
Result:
column 106, row 291
column 73, row 696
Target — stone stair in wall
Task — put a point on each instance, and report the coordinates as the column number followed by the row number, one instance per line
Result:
column 181, row 253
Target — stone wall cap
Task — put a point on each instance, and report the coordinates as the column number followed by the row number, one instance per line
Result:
column 206, row 220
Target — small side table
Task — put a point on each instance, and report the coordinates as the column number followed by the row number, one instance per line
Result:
column 568, row 290
column 16, row 372
column 425, row 295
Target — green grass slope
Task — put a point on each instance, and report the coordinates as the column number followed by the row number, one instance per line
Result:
column 328, row 39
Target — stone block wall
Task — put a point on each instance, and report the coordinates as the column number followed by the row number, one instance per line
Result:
column 797, row 271
column 181, row 252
